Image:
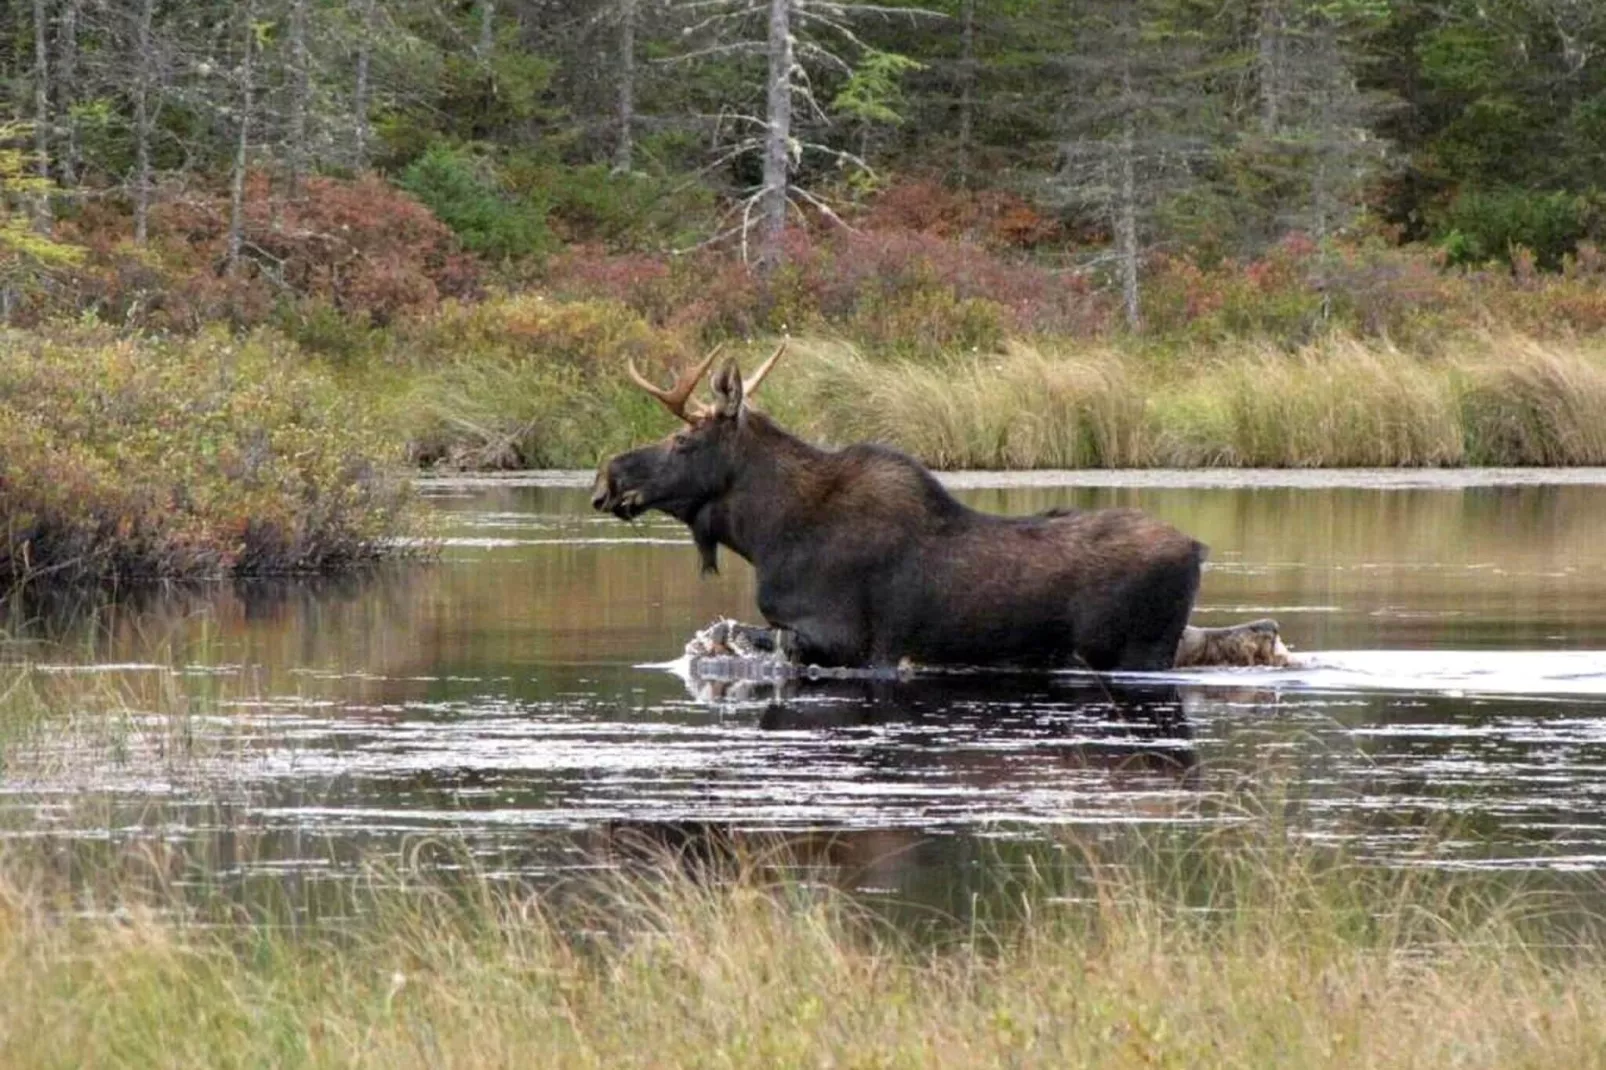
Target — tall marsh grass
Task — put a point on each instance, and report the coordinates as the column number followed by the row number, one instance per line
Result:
column 1340, row 403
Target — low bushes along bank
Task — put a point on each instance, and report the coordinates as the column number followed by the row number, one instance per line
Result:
column 125, row 457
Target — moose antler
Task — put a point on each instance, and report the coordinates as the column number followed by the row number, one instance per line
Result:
column 674, row 399
column 751, row 385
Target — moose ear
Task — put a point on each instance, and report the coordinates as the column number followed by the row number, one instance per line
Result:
column 727, row 383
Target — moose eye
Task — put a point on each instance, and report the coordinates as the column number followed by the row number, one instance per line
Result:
column 682, row 442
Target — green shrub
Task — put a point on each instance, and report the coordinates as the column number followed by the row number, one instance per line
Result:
column 461, row 192
column 126, row 458
column 1481, row 226
column 621, row 211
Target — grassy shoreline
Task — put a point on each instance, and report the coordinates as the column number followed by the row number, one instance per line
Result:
column 128, row 457
column 1493, row 401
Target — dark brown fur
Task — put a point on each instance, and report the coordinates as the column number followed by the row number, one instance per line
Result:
column 866, row 559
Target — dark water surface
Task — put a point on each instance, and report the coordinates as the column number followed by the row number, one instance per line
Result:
column 505, row 698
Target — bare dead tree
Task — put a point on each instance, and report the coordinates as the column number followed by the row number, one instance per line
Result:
column 242, row 142
column 1125, row 207
column 624, row 147
column 300, row 95
column 777, row 135
column 365, row 34
column 67, row 88
column 42, row 220
column 1271, row 56
column 1134, row 130
column 1313, row 141
column 798, row 35
column 967, row 89
column 143, row 115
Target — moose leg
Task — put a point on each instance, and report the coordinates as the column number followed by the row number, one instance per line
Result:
column 1254, row 643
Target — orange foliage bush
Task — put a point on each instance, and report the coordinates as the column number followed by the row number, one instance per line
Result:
column 995, row 218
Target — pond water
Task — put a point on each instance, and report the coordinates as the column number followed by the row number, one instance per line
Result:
column 511, row 698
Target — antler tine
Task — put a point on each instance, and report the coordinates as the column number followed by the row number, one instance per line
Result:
column 674, row 399
column 751, row 385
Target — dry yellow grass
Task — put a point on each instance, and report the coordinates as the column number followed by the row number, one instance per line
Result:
column 1504, row 400
column 1536, row 401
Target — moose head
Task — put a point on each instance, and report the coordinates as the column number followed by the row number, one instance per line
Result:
column 687, row 473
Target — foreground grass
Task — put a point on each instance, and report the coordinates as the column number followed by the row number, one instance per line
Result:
column 1245, row 947
column 1295, row 963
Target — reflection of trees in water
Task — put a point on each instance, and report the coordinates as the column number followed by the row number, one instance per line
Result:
column 563, row 605
column 1429, row 567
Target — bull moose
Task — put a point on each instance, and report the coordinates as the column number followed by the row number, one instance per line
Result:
column 864, row 559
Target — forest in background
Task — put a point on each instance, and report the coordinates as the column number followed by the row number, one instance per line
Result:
column 219, row 158
column 299, row 243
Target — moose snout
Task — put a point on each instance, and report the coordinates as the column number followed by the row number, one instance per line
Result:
column 602, row 491
column 612, row 494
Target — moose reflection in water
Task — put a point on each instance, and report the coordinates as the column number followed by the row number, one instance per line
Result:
column 863, row 558
column 1131, row 737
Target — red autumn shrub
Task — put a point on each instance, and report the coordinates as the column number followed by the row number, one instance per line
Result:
column 360, row 246
column 902, row 289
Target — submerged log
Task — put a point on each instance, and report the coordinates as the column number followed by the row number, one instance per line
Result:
column 1240, row 645
column 728, row 649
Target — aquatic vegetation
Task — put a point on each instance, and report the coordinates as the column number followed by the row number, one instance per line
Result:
column 124, row 457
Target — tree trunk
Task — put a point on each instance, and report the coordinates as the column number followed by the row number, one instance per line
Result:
column 142, row 122
column 365, row 32
column 66, row 89
column 300, row 91
column 1271, row 39
column 967, row 87
column 1126, row 215
column 627, row 85
column 1327, row 155
column 237, row 180
column 772, row 199
column 487, row 30
column 41, row 115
